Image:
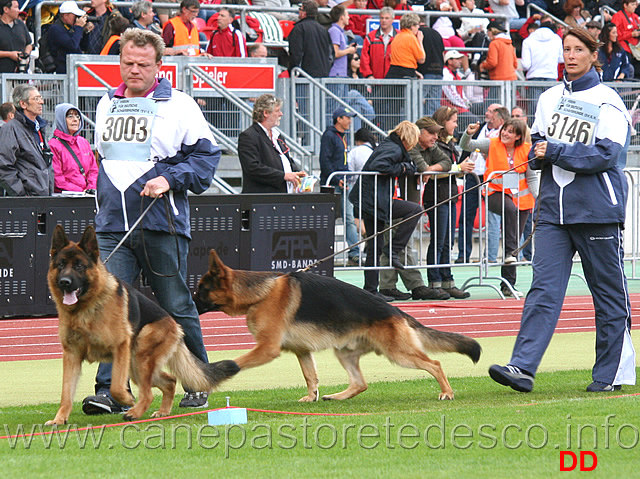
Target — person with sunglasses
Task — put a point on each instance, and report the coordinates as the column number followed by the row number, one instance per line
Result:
column 74, row 166
column 264, row 156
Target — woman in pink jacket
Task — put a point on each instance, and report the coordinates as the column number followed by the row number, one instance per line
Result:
column 72, row 173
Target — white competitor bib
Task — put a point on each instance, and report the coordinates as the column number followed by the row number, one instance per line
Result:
column 125, row 139
column 572, row 121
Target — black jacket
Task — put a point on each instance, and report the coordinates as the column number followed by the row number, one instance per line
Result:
column 392, row 160
column 262, row 170
column 311, row 48
column 63, row 41
column 23, row 169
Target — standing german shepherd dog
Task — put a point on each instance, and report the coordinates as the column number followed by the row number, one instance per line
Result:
column 104, row 319
column 306, row 312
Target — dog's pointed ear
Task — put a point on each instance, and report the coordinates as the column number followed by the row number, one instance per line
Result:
column 59, row 240
column 216, row 265
column 89, row 243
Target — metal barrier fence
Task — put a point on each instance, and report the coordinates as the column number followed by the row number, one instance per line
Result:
column 485, row 236
column 53, row 88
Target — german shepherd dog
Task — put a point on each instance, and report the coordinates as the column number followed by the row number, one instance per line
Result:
column 103, row 319
column 306, row 312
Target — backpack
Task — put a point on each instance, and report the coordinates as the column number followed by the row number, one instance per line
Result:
column 45, row 62
column 106, row 25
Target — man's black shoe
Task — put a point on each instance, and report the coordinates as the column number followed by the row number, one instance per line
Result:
column 425, row 294
column 599, row 387
column 102, row 403
column 194, row 400
column 395, row 294
column 457, row 293
column 388, row 299
column 512, row 376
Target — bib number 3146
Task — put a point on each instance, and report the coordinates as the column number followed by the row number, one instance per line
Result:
column 567, row 129
column 126, row 128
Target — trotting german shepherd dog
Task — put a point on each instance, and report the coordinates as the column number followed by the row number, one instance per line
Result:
column 103, row 319
column 306, row 312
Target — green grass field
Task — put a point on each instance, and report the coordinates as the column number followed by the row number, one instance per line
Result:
column 488, row 431
column 397, row 428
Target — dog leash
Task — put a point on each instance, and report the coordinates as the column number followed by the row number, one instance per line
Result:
column 420, row 213
column 124, row 238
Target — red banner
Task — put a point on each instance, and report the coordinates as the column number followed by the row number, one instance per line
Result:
column 110, row 73
column 234, row 76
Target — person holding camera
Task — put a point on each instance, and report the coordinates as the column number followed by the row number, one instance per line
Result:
column 15, row 41
column 68, row 34
column 25, row 158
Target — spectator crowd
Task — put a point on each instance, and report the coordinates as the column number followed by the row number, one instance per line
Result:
column 390, row 42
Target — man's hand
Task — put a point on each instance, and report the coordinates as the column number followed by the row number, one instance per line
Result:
column 294, row 177
column 155, row 187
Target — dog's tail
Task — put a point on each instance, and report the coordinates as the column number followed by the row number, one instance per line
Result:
column 196, row 375
column 445, row 342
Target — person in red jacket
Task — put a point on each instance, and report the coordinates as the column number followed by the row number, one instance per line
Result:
column 376, row 54
column 358, row 22
column 227, row 41
column 628, row 24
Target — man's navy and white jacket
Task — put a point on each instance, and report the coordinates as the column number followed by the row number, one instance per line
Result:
column 584, row 183
column 182, row 150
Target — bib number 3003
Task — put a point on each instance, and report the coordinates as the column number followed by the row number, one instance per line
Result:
column 568, row 129
column 130, row 129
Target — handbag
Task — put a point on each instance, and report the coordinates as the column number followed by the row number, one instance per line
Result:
column 73, row 153
column 635, row 50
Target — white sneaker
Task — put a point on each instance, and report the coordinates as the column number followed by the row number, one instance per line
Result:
column 510, row 259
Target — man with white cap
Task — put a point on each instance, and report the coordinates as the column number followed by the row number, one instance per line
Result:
column 454, row 95
column 68, row 34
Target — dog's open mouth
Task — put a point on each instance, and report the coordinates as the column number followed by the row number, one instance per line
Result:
column 70, row 297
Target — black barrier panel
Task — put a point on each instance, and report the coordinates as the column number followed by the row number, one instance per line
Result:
column 223, row 222
column 17, row 257
column 292, row 236
column 212, row 227
column 74, row 214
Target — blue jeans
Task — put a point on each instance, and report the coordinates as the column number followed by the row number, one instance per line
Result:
column 360, row 104
column 432, row 94
column 470, row 203
column 350, row 228
column 493, row 232
column 527, row 251
column 439, row 251
column 172, row 292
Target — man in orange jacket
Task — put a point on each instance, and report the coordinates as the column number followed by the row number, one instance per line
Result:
column 180, row 34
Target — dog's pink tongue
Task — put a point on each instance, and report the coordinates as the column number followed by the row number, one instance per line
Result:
column 70, row 297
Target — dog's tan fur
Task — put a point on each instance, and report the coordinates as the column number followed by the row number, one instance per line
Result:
column 98, row 327
column 341, row 316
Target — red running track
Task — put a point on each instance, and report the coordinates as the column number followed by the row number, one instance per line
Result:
column 37, row 338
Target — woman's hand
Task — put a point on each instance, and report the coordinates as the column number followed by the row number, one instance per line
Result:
column 473, row 128
column 467, row 166
column 540, row 149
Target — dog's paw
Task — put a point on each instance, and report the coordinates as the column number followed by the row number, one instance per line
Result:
column 55, row 422
column 159, row 414
column 448, row 396
column 309, row 398
column 127, row 416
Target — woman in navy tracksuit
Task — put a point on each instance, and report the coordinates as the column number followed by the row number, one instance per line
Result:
column 580, row 136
